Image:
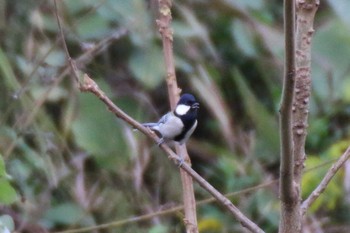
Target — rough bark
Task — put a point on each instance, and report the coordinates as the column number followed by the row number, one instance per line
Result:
column 298, row 82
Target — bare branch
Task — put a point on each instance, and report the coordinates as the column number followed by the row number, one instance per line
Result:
column 290, row 216
column 306, row 11
column 70, row 61
column 165, row 30
column 327, row 178
column 167, row 39
column 287, row 191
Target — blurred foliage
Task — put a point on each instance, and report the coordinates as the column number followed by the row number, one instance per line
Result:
column 67, row 162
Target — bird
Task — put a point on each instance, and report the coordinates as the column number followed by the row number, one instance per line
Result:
column 177, row 125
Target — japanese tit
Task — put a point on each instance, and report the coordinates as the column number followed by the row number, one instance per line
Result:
column 179, row 124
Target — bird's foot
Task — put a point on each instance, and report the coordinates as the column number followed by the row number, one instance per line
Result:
column 180, row 161
column 160, row 142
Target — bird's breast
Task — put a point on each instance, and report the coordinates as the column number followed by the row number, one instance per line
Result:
column 171, row 128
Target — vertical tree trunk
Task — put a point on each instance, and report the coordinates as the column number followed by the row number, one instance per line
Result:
column 297, row 80
column 305, row 18
column 290, row 214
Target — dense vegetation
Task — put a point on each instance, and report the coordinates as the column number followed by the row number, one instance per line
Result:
column 67, row 162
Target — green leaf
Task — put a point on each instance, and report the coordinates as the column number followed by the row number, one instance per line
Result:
column 210, row 224
column 98, row 131
column 327, row 199
column 93, row 27
column 346, row 89
column 266, row 123
column 2, row 168
column 332, row 59
column 133, row 15
column 7, row 72
column 244, row 38
column 341, row 8
column 159, row 229
column 55, row 58
column 334, row 190
column 148, row 66
column 8, row 194
column 67, row 213
column 246, row 4
column 75, row 7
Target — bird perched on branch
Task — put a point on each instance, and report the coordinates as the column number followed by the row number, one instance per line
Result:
column 179, row 124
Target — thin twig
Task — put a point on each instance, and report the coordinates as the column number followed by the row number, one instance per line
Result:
column 70, row 60
column 327, row 178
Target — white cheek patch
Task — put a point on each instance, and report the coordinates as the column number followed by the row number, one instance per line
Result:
column 182, row 109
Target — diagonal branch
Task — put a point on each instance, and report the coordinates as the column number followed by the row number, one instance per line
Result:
column 327, row 178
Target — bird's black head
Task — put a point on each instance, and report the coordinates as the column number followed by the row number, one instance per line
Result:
column 187, row 105
column 186, row 109
column 187, row 99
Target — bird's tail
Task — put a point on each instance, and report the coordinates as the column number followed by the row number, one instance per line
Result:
column 150, row 125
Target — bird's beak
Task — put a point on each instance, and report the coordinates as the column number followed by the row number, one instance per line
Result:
column 195, row 105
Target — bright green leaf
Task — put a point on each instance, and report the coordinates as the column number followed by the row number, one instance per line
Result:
column 7, row 72
column 210, row 224
column 334, row 191
column 2, row 167
column 332, row 59
column 8, row 194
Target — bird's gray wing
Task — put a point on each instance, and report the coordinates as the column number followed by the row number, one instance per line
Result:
column 161, row 121
column 164, row 118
